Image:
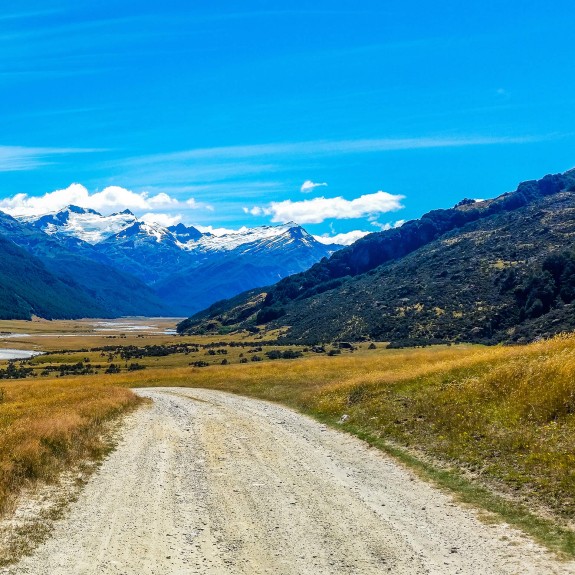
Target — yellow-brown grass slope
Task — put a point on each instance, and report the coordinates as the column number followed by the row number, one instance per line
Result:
column 47, row 426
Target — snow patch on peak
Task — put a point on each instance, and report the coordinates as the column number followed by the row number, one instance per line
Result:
column 82, row 223
column 145, row 230
column 154, row 230
column 235, row 238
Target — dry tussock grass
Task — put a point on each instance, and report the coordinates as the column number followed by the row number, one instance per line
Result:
column 506, row 413
column 50, row 425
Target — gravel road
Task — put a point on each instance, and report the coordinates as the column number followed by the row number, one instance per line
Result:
column 207, row 482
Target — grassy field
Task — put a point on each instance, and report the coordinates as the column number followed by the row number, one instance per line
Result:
column 476, row 420
column 48, row 426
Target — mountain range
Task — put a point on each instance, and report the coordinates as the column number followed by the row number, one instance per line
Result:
column 483, row 271
column 86, row 264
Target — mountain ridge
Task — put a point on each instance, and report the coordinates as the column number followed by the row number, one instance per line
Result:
column 127, row 266
column 75, row 263
column 390, row 287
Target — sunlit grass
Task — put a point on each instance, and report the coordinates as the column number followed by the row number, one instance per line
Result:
column 50, row 425
column 504, row 414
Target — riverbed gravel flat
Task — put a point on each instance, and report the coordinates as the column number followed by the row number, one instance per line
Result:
column 212, row 483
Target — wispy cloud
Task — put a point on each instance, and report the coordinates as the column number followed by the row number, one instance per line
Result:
column 19, row 158
column 331, row 147
column 239, row 190
column 309, row 186
column 202, row 174
column 29, row 14
column 235, row 164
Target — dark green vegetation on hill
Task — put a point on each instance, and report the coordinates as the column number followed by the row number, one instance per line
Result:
column 27, row 287
column 489, row 271
column 41, row 276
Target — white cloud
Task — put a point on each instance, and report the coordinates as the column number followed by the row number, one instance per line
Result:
column 320, row 209
column 162, row 219
column 255, row 211
column 110, row 199
column 388, row 225
column 345, row 239
column 162, row 200
column 308, row 186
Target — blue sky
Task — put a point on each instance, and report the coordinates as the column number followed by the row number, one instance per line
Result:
column 218, row 112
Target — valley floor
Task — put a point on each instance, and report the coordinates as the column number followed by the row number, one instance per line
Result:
column 208, row 482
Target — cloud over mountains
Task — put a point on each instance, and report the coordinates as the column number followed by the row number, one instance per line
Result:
column 317, row 210
column 110, row 199
column 166, row 209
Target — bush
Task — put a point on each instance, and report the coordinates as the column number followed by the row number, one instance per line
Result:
column 287, row 354
column 136, row 367
column 291, row 354
column 269, row 314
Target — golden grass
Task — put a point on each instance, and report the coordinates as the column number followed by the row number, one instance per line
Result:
column 56, row 335
column 505, row 414
column 50, row 425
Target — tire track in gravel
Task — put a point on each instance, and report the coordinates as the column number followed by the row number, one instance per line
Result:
column 212, row 483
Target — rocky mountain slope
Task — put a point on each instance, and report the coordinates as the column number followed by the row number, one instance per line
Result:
column 97, row 287
column 241, row 266
column 125, row 266
column 495, row 270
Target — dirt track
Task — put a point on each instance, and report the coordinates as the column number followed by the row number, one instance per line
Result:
column 205, row 482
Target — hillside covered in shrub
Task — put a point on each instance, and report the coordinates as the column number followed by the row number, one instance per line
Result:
column 487, row 271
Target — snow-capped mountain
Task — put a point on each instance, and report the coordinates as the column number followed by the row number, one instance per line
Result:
column 94, row 228
column 261, row 262
column 148, row 250
column 207, row 243
column 82, row 223
column 148, row 232
column 93, row 285
column 187, row 268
